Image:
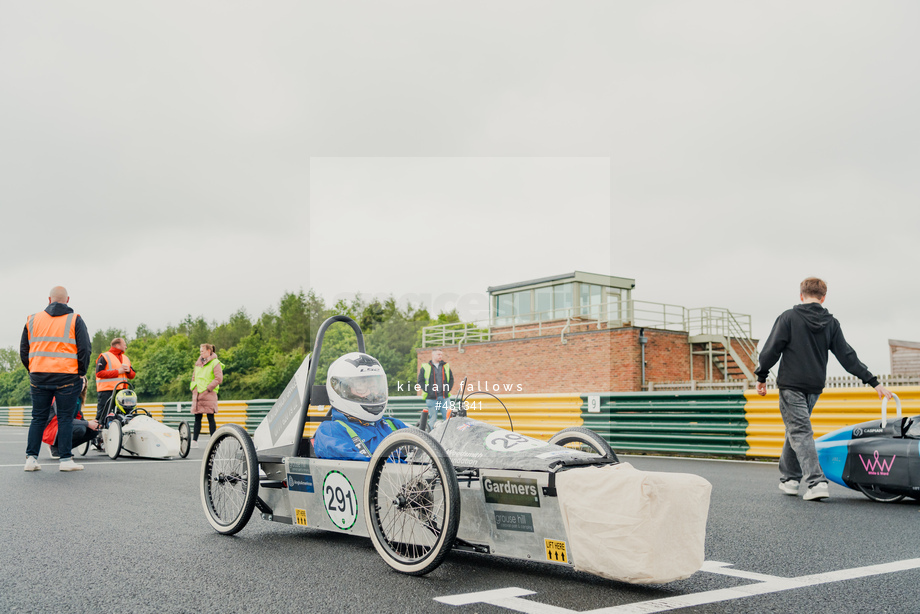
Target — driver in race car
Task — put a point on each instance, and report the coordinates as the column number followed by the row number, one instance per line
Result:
column 357, row 388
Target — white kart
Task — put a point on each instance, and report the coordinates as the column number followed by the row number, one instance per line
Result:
column 129, row 428
column 140, row 435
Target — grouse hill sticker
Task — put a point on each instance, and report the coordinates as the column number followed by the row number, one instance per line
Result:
column 511, row 491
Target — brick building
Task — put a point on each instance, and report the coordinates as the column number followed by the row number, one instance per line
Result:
column 905, row 357
column 584, row 332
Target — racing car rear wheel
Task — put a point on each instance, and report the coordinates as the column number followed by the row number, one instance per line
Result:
column 229, row 479
column 583, row 440
column 113, row 439
column 876, row 494
column 185, row 440
column 412, row 502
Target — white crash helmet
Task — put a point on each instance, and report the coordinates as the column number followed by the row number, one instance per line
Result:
column 357, row 386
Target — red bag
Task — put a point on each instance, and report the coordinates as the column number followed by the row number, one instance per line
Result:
column 50, row 434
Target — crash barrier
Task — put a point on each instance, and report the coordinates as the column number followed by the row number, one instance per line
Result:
column 712, row 423
column 837, row 407
column 687, row 422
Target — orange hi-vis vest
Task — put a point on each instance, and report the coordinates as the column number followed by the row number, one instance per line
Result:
column 112, row 362
column 52, row 343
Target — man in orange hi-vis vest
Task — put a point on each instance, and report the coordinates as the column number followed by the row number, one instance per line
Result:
column 112, row 368
column 55, row 350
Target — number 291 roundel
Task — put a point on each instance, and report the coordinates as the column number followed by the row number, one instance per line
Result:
column 339, row 500
column 505, row 441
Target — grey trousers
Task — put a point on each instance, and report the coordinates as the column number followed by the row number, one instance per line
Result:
column 799, row 458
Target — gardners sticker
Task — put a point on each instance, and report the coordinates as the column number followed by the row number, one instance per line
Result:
column 511, row 491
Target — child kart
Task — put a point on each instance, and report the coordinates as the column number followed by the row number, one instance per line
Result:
column 129, row 428
column 879, row 458
column 408, row 498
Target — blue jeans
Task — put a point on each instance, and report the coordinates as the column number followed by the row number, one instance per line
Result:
column 799, row 458
column 66, row 397
column 437, row 409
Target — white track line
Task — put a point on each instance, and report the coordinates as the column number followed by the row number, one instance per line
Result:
column 770, row 584
column 124, row 463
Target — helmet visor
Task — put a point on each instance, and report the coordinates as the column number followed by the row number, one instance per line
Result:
column 362, row 389
column 126, row 400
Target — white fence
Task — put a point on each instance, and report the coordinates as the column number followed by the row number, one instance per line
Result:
column 844, row 381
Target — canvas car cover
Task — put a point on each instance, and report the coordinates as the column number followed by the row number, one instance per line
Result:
column 634, row 526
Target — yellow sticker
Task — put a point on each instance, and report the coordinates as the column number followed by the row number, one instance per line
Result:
column 300, row 517
column 555, row 551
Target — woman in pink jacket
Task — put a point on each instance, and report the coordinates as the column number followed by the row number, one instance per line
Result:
column 206, row 380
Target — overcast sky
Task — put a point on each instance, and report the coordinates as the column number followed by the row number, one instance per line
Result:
column 162, row 158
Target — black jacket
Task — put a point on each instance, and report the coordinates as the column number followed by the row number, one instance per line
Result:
column 84, row 348
column 802, row 336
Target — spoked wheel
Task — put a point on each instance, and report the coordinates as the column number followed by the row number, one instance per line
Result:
column 876, row 494
column 412, row 502
column 185, row 439
column 583, row 440
column 229, row 479
column 113, row 438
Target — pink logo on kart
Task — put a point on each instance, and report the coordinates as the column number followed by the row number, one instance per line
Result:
column 876, row 466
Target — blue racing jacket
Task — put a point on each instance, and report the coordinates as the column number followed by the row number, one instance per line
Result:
column 332, row 439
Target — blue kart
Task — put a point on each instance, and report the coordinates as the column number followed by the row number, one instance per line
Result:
column 879, row 458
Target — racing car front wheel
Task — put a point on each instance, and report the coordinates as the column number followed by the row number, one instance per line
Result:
column 876, row 494
column 229, row 479
column 185, row 440
column 583, row 440
column 113, row 439
column 412, row 502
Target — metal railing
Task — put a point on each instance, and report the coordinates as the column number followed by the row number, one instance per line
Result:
column 615, row 314
column 837, row 381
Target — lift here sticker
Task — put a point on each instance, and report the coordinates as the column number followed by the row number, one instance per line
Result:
column 339, row 500
column 555, row 551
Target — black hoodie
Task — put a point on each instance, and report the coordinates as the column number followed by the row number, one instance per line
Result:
column 802, row 336
column 84, row 348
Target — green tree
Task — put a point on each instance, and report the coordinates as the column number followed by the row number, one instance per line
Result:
column 9, row 359
column 102, row 340
column 227, row 335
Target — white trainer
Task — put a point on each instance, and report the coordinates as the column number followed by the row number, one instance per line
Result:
column 69, row 465
column 816, row 492
column 790, row 487
column 194, row 443
column 32, row 464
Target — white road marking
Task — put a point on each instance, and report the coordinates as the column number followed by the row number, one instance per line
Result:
column 722, row 569
column 484, row 596
column 124, row 463
column 766, row 584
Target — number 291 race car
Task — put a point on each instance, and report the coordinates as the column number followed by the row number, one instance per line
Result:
column 463, row 485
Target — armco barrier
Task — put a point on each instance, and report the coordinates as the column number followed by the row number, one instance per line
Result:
column 837, row 407
column 723, row 423
column 688, row 422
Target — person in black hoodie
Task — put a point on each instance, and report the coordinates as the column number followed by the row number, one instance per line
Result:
column 802, row 336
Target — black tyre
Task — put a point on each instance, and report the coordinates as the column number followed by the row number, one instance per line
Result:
column 229, row 479
column 113, row 439
column 85, row 448
column 412, row 502
column 583, row 440
column 185, row 439
column 877, row 494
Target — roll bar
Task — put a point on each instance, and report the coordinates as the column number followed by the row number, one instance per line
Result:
column 311, row 377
